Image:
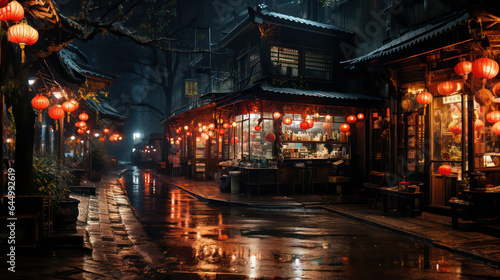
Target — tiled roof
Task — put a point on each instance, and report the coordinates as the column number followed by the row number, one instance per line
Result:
column 105, row 109
column 292, row 19
column 75, row 61
column 318, row 93
column 418, row 35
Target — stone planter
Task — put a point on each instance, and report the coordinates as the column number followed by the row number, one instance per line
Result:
column 65, row 215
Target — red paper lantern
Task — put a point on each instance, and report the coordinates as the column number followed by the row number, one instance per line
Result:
column 234, row 140
column 447, row 88
column 189, row 133
column 178, row 131
column 493, row 117
column 444, row 170
column 69, row 106
column 287, row 121
column 485, row 68
column 351, row 119
column 361, row 116
column 277, row 115
column 463, row 68
column 226, row 125
column 106, row 131
column 222, row 131
column 101, row 139
column 56, row 112
column 40, row 102
column 327, row 126
column 80, row 131
column 211, row 133
column 12, row 11
column 22, row 34
column 478, row 125
column 304, row 125
column 257, row 128
column 310, row 123
column 424, row 98
column 3, row 3
column 80, row 124
column 83, row 116
column 270, row 137
column 344, row 127
column 496, row 128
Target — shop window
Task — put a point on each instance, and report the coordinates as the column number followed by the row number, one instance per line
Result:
column 285, row 60
column 260, row 148
column 318, row 65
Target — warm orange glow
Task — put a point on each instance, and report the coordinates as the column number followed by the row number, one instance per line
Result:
column 56, row 112
column 226, row 125
column 344, row 127
column 222, row 131
column 270, row 137
column 493, row 117
column 257, row 128
column 351, row 119
column 13, row 12
column 40, row 102
column 496, row 128
column 81, row 124
column 485, row 68
column 447, row 88
column 277, row 115
column 69, row 106
column 83, row 116
column 304, row 125
column 463, row 68
column 328, row 117
column 186, row 127
column 106, row 130
column 424, row 98
column 287, row 121
column 361, row 116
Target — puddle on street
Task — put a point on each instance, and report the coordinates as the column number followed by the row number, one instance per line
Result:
column 237, row 241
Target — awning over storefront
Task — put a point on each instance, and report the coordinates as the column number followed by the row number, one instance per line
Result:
column 305, row 96
column 105, row 110
column 418, row 35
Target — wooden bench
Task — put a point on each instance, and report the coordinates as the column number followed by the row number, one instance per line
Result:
column 460, row 208
column 407, row 203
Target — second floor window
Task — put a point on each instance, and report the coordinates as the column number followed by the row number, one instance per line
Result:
column 318, row 65
column 285, row 60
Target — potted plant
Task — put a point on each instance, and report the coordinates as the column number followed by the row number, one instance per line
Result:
column 51, row 179
column 100, row 162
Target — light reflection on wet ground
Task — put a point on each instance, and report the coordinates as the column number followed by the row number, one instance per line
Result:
column 287, row 244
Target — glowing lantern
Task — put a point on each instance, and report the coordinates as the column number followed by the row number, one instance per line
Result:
column 226, row 125
column 351, row 119
column 234, row 140
column 304, row 125
column 56, row 112
column 177, row 131
column 444, row 170
column 328, row 117
column 83, row 116
column 493, row 117
column 287, row 121
column 80, row 124
column 188, row 133
column 177, row 142
column 69, row 106
column 463, row 68
column 80, row 131
column 496, row 128
column 12, row 11
column 316, row 115
column 200, row 124
column 74, row 102
column 344, row 127
column 40, row 102
column 310, row 122
column 270, row 137
column 447, row 88
column 258, row 128
column 3, row 3
column 102, row 139
column 211, row 133
column 485, row 68
column 211, row 126
column 327, row 126
column 424, row 98
column 106, row 130
column 234, row 124
column 222, row 131
column 22, row 34
column 361, row 116
column 478, row 125
column 277, row 115
column 186, row 127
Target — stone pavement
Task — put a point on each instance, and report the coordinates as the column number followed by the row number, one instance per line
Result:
column 120, row 249
column 429, row 228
